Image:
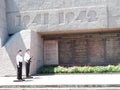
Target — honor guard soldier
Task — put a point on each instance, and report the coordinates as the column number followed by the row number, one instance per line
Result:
column 19, row 60
column 27, row 60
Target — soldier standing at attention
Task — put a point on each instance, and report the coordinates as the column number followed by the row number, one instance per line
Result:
column 27, row 60
column 19, row 60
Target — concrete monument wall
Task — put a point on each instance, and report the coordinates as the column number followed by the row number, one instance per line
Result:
column 36, row 47
column 63, row 15
column 3, row 24
column 27, row 20
column 22, row 40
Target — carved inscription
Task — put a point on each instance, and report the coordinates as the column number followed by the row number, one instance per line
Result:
column 72, row 15
column 61, row 17
column 73, row 51
column 92, row 16
column 69, row 17
column 46, row 17
column 96, row 50
column 18, row 20
column 26, row 20
column 82, row 16
column 50, row 52
column 37, row 19
column 113, row 49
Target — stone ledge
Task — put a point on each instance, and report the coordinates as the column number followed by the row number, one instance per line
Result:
column 62, row 86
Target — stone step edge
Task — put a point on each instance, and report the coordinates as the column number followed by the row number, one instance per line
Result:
column 62, row 86
column 88, row 88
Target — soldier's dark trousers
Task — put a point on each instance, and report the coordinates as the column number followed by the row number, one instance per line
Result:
column 27, row 69
column 19, row 71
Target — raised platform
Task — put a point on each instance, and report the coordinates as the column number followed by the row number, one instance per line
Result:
column 64, row 82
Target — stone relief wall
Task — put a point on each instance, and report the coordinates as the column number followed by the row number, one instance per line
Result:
column 53, row 15
column 94, row 49
column 51, row 52
column 25, row 5
column 59, row 19
column 73, row 51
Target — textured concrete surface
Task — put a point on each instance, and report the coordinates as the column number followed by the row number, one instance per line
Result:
column 44, row 16
column 36, row 46
column 3, row 24
column 62, row 15
column 22, row 40
column 81, row 81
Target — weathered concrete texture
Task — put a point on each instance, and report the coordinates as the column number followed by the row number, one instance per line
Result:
column 6, row 65
column 62, row 15
column 22, row 40
column 3, row 26
column 64, row 82
column 113, row 13
column 36, row 46
column 49, row 4
column 44, row 16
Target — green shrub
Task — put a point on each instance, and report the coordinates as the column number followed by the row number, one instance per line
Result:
column 74, row 69
column 60, row 69
column 116, row 68
column 79, row 69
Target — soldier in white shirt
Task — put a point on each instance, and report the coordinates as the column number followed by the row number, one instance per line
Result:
column 27, row 60
column 19, row 60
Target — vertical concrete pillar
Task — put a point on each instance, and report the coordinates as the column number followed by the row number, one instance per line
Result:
column 3, row 26
column 36, row 51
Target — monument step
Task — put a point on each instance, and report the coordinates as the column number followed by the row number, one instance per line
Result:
column 60, row 87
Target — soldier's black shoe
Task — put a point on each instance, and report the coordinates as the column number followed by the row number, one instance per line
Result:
column 29, row 77
column 22, row 80
column 19, row 80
